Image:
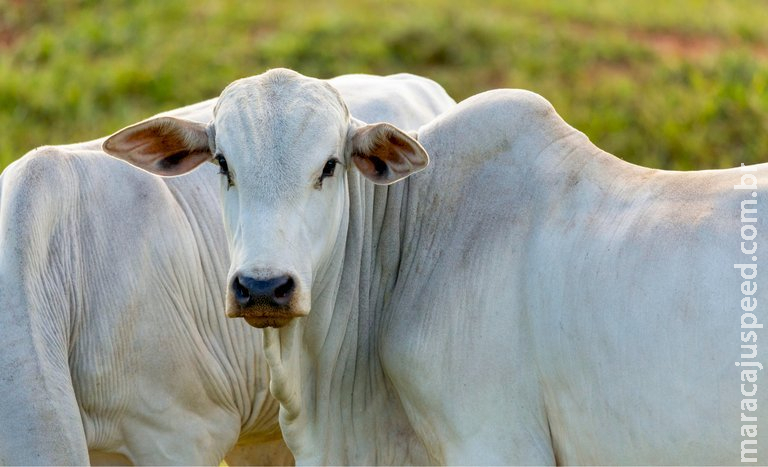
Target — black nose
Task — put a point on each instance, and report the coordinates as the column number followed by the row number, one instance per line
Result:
column 275, row 291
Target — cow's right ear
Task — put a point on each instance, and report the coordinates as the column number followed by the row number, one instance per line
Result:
column 163, row 146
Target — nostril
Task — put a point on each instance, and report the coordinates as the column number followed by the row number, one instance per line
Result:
column 242, row 294
column 284, row 290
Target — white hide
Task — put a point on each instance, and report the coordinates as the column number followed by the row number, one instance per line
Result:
column 114, row 345
column 527, row 299
column 555, row 304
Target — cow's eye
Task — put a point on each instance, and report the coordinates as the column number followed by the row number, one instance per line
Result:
column 330, row 166
column 224, row 169
column 328, row 169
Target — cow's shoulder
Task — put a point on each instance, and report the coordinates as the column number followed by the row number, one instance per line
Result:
column 51, row 181
column 35, row 188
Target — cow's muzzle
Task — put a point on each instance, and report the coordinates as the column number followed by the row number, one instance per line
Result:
column 263, row 302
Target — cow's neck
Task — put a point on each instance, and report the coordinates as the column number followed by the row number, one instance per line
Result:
column 337, row 405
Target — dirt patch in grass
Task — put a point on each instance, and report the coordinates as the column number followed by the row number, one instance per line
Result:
column 677, row 45
column 7, row 38
column 692, row 47
column 18, row 16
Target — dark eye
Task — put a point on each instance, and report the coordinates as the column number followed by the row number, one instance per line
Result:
column 330, row 166
column 224, row 169
column 328, row 169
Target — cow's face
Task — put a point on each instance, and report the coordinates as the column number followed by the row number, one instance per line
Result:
column 284, row 144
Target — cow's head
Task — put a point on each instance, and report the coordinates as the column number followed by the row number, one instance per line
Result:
column 284, row 144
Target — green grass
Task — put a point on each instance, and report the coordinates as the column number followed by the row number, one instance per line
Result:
column 678, row 85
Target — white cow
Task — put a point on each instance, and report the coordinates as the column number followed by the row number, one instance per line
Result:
column 114, row 337
column 528, row 299
column 113, row 345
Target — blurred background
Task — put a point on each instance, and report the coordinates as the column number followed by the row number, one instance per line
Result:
column 670, row 84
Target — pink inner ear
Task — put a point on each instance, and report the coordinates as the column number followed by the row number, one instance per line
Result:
column 163, row 146
column 160, row 140
column 153, row 139
column 171, row 161
column 371, row 166
column 397, row 142
column 379, row 166
column 385, row 155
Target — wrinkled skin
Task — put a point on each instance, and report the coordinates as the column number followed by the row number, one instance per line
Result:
column 527, row 299
column 116, row 345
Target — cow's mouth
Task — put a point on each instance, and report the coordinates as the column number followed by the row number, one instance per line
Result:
column 267, row 321
column 264, row 316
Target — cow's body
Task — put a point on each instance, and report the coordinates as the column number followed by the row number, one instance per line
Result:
column 113, row 336
column 115, row 343
column 558, row 304
column 528, row 299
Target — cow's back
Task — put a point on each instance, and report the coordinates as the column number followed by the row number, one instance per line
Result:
column 403, row 99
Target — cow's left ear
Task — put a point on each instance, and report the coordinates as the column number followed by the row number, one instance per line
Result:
column 165, row 146
column 384, row 154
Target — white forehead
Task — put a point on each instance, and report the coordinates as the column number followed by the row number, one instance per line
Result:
column 279, row 119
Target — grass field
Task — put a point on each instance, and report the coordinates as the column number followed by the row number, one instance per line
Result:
column 677, row 85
